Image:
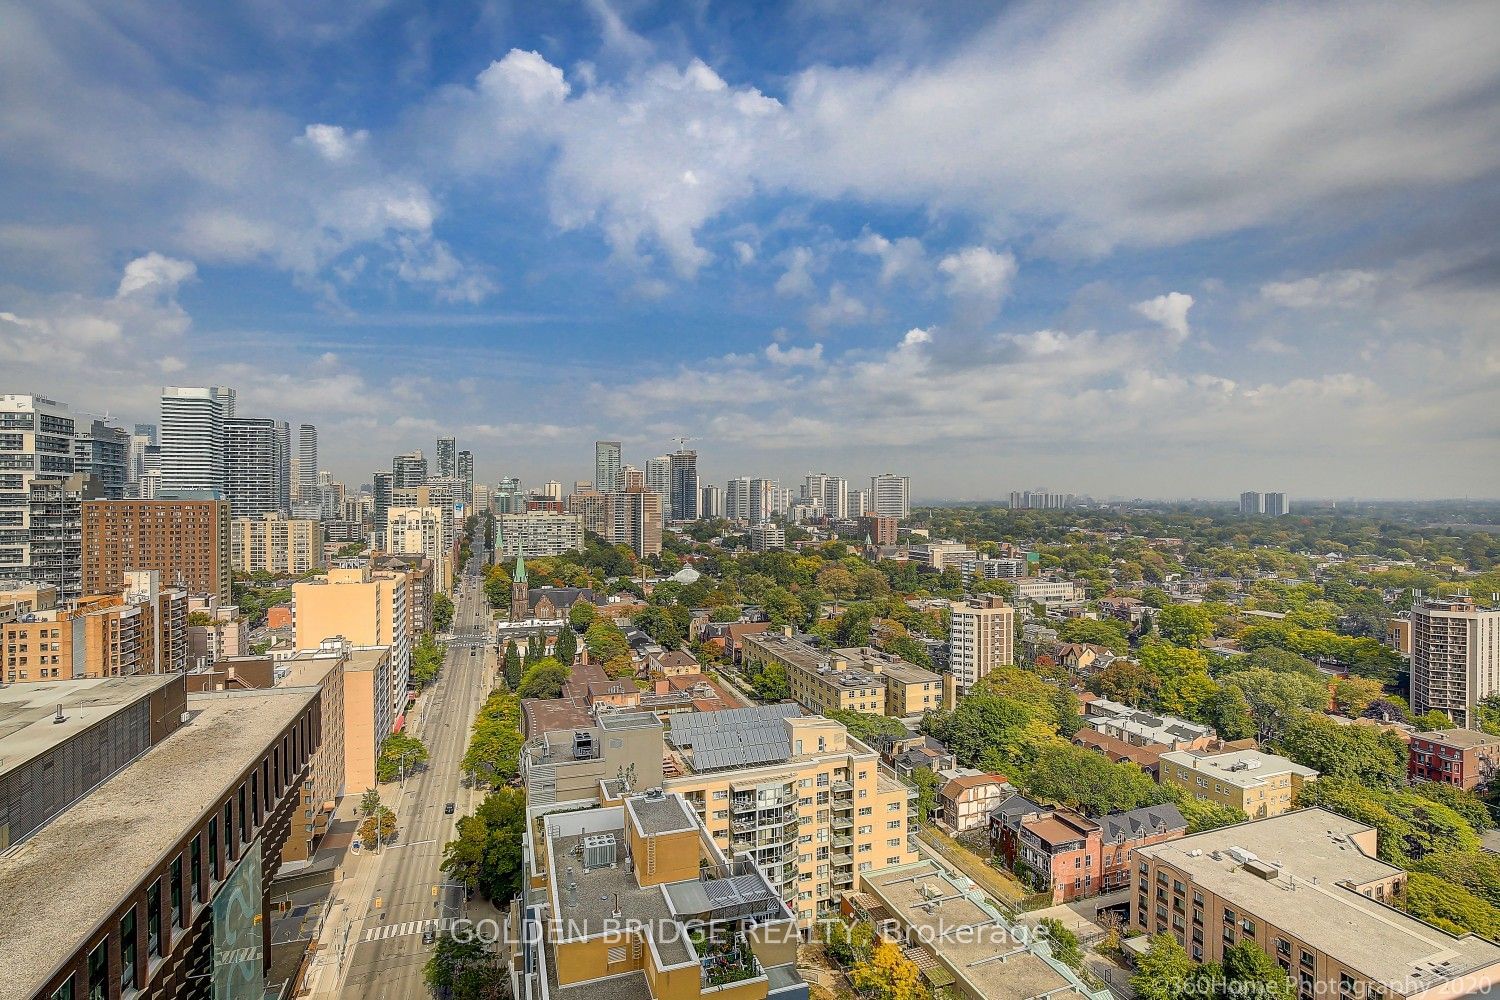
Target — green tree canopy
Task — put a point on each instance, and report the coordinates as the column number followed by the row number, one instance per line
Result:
column 543, row 679
column 396, row 749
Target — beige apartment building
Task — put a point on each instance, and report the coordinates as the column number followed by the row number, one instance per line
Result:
column 854, row 679
column 1306, row 888
column 186, row 541
column 327, row 774
column 1455, row 657
column 365, row 608
column 365, row 715
column 19, row 598
column 1262, row 784
column 423, row 530
column 275, row 544
column 813, row 807
column 982, row 637
column 110, row 635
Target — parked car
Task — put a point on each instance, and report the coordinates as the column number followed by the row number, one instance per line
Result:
column 449, row 808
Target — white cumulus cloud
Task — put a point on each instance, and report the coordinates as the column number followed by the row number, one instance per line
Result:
column 1170, row 311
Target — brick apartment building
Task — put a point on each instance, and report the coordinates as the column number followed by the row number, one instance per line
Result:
column 186, row 541
column 1463, row 757
column 1072, row 856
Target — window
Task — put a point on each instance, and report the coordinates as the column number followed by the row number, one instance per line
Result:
column 99, row 971
column 178, row 917
column 65, row 991
column 196, row 869
column 129, row 973
column 1307, row 959
column 214, row 871
column 153, row 919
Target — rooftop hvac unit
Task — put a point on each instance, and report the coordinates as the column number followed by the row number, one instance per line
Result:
column 1241, row 856
column 583, row 744
column 598, row 851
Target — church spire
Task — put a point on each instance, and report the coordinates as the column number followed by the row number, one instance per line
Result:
column 520, row 575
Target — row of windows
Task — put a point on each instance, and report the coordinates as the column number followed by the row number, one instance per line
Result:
column 250, row 806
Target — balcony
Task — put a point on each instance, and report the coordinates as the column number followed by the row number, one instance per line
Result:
column 842, row 823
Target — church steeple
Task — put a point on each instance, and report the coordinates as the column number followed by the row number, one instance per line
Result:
column 520, row 593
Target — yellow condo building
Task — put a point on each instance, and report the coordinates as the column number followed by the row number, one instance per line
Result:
column 633, row 900
column 813, row 807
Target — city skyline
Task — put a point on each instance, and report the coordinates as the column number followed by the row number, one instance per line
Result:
column 398, row 227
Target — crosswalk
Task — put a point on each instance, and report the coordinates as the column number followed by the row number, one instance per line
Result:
column 410, row 927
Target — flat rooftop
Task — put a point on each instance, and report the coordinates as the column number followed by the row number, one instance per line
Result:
column 1246, row 768
column 1312, row 896
column 67, row 879
column 971, row 940
column 589, row 908
column 1462, row 738
column 27, row 711
column 668, row 814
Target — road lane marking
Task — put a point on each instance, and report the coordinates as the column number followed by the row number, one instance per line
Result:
column 409, row 927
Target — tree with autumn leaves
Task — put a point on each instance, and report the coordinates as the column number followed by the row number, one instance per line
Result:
column 877, row 969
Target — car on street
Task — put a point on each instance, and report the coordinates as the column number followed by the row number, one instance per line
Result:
column 429, row 936
column 449, row 808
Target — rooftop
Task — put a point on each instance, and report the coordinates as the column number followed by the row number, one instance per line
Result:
column 1317, row 867
column 967, row 937
column 68, row 878
column 1245, row 768
column 664, row 814
column 1462, row 738
column 28, row 712
column 736, row 737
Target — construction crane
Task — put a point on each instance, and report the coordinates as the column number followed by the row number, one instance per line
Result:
column 682, row 441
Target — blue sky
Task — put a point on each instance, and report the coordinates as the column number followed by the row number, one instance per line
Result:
column 1145, row 250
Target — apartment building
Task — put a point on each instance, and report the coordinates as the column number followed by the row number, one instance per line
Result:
column 982, row 637
column 19, row 598
column 1066, row 854
column 856, row 679
column 257, row 466
column 1467, row 758
column 275, row 544
column 890, row 496
column 941, row 555
column 365, row 608
column 143, row 631
column 423, row 530
column 186, row 540
column 103, row 452
column 811, row 806
column 766, row 536
column 328, row 772
column 1307, row 889
column 537, row 534
column 1262, row 784
column 1455, row 656
column 880, row 530
column 55, row 518
column 154, row 881
column 632, row 899
column 418, row 570
column 36, row 444
column 1144, row 729
column 1052, row 593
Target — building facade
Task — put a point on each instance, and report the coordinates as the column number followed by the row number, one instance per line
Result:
column 1467, row 758
column 365, row 608
column 103, row 452
column 192, row 437
column 1259, row 784
column 186, row 541
column 36, row 444
column 257, row 467
column 1306, row 888
column 1455, row 656
column 982, row 637
column 538, row 534
column 274, row 544
column 890, row 496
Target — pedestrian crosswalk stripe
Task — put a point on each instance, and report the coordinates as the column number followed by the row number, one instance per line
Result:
column 410, row 927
